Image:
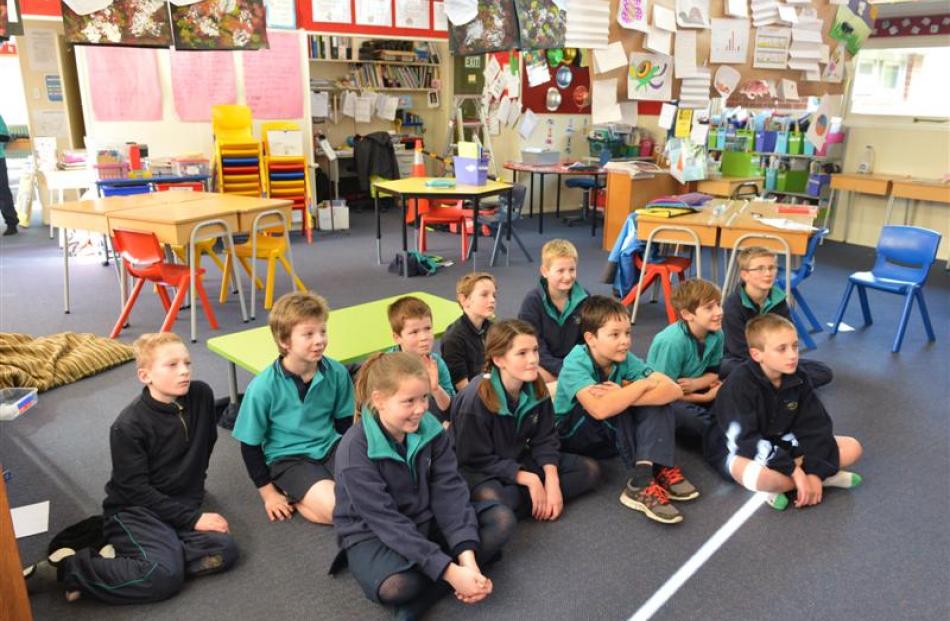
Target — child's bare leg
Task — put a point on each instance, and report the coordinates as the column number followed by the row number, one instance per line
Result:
column 317, row 505
column 767, row 480
column 849, row 450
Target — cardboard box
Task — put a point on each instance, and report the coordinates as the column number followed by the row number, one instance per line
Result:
column 340, row 216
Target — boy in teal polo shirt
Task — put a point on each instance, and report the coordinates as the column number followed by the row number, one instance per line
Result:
column 411, row 321
column 690, row 351
column 609, row 402
column 294, row 412
column 553, row 307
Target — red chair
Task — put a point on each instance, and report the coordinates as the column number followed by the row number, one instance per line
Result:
column 663, row 268
column 446, row 215
column 143, row 258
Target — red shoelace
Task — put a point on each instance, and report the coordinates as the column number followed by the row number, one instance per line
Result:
column 670, row 476
column 658, row 493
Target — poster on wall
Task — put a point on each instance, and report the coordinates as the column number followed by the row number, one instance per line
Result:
column 412, row 14
column 331, row 11
column 632, row 15
column 215, row 25
column 494, row 29
column 729, row 42
column 200, row 81
column 541, row 24
column 650, row 77
column 281, row 14
column 275, row 70
column 853, row 24
column 127, row 84
column 140, row 23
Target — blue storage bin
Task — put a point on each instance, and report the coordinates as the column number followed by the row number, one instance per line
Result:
column 771, row 176
column 809, row 148
column 721, row 138
column 817, row 183
column 471, row 171
column 765, row 141
column 781, row 142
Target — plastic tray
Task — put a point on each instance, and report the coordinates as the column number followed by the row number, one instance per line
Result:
column 16, row 401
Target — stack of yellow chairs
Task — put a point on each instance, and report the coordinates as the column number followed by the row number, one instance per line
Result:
column 286, row 175
column 238, row 156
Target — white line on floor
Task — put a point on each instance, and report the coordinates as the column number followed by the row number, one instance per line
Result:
column 699, row 558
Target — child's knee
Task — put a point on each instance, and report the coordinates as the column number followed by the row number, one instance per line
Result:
column 593, row 472
column 317, row 505
column 849, row 449
column 165, row 582
column 230, row 553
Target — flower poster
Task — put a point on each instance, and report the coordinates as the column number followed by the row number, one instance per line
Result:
column 142, row 23
column 650, row 77
column 220, row 25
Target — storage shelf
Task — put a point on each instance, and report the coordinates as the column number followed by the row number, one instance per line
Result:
column 374, row 62
column 807, row 157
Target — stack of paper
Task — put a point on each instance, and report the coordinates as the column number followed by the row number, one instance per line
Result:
column 588, row 22
column 806, row 49
column 764, row 12
column 694, row 90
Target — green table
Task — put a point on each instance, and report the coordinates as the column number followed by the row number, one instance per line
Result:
column 355, row 332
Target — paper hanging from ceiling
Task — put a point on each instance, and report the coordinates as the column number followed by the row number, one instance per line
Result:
column 736, row 8
column 459, row 12
column 213, row 25
column 613, row 57
column 494, row 29
column 121, row 22
column 650, row 77
column 541, row 24
column 588, row 22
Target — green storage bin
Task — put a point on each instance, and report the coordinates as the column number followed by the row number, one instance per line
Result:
column 745, row 139
column 792, row 181
column 712, row 139
column 741, row 164
column 795, row 140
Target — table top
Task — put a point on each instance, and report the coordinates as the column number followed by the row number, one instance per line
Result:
column 416, row 186
column 561, row 168
column 924, row 189
column 121, row 203
column 748, row 218
column 206, row 206
column 355, row 332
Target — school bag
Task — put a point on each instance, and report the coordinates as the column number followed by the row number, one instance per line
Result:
column 419, row 264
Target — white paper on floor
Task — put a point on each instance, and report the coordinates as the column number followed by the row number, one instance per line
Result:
column 841, row 328
column 30, row 519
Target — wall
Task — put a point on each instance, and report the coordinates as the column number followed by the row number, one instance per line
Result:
column 13, row 104
column 171, row 136
column 901, row 147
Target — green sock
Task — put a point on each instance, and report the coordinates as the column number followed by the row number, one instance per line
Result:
column 843, row 479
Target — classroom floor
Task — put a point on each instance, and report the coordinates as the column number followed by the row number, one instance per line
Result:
column 878, row 552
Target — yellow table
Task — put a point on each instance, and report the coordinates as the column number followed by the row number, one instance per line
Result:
column 93, row 216
column 853, row 183
column 208, row 217
column 914, row 190
column 416, row 187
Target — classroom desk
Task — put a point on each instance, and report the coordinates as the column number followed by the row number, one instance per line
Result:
column 355, row 332
column 725, row 186
column 560, row 169
column 93, row 216
column 415, row 187
column 626, row 194
column 59, row 181
column 854, row 183
column 914, row 190
column 184, row 223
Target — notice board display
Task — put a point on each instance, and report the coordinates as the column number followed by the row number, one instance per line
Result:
column 411, row 19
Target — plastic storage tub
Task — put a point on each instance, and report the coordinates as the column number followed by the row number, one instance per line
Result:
column 471, row 171
column 16, row 401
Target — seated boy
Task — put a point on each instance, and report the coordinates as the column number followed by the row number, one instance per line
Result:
column 690, row 351
column 161, row 444
column 758, row 295
column 553, row 308
column 463, row 344
column 771, row 432
column 411, row 321
column 609, row 402
column 294, row 412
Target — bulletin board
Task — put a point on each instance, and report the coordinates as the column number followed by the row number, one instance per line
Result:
column 633, row 41
column 575, row 97
column 305, row 21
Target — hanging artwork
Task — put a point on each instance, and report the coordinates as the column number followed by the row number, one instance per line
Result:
column 494, row 29
column 541, row 23
column 142, row 23
column 853, row 24
column 632, row 14
column 220, row 25
column 692, row 13
column 650, row 77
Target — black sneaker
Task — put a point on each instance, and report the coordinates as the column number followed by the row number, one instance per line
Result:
column 652, row 500
column 676, row 485
column 11, row 230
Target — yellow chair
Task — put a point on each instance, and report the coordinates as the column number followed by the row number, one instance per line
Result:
column 298, row 190
column 269, row 248
column 232, row 123
column 202, row 248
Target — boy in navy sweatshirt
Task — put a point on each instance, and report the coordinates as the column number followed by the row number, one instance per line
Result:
column 553, row 307
column 463, row 344
column 772, row 433
column 403, row 519
column 690, row 351
column 757, row 294
column 161, row 444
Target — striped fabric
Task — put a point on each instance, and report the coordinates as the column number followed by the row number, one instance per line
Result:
column 51, row 361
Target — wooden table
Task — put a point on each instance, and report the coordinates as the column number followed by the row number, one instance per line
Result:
column 355, row 331
column 93, row 215
column 415, row 187
column 914, row 190
column 854, row 183
column 208, row 217
column 626, row 194
column 560, row 169
column 726, row 186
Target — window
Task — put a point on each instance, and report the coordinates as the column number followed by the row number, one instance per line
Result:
column 902, row 82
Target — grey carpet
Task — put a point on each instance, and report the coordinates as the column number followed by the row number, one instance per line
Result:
column 875, row 553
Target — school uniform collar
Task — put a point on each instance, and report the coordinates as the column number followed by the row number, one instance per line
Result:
column 773, row 299
column 527, row 399
column 789, row 380
column 574, row 298
column 601, row 376
column 160, row 406
column 471, row 326
column 296, row 380
column 380, row 446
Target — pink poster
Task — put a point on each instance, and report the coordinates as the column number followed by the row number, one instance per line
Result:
column 124, row 84
column 201, row 80
column 272, row 78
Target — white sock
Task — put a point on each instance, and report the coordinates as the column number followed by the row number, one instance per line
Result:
column 843, row 479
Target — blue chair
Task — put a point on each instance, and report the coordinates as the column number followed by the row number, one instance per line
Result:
column 798, row 275
column 904, row 257
column 589, row 185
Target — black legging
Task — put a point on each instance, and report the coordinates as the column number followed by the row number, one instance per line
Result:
column 415, row 591
column 576, row 474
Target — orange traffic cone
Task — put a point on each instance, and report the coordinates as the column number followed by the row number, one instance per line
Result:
column 418, row 170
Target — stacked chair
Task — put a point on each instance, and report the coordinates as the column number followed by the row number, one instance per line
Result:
column 238, row 156
column 286, row 176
